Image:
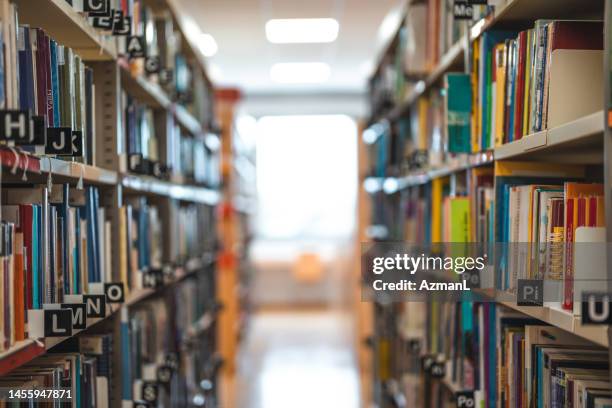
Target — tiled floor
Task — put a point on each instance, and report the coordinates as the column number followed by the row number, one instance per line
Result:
column 300, row 359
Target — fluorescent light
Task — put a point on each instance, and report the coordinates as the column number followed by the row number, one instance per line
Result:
column 302, row 30
column 208, row 45
column 300, row 72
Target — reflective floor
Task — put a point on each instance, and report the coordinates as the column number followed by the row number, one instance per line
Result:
column 298, row 359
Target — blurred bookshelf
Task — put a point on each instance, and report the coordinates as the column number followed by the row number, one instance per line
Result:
column 468, row 121
column 110, row 191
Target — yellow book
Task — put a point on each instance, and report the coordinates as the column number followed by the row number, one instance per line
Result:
column 500, row 84
column 423, row 107
column 436, row 210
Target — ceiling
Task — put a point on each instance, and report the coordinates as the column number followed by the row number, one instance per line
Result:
column 245, row 56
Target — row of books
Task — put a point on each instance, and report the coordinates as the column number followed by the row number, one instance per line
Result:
column 50, row 92
column 427, row 32
column 538, row 216
column 165, row 150
column 78, row 373
column 517, row 87
column 162, row 359
column 58, row 245
column 519, row 82
column 160, row 334
column 52, row 246
column 500, row 357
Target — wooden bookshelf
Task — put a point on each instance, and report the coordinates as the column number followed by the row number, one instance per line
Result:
column 150, row 185
column 583, row 141
column 27, row 350
column 69, row 28
column 512, row 11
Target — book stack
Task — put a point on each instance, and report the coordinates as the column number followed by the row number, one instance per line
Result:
column 51, row 87
column 79, row 372
column 53, row 246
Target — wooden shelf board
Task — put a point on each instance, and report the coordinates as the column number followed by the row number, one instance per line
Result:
column 580, row 140
column 564, row 320
column 19, row 354
column 68, row 28
column 144, row 90
column 37, row 168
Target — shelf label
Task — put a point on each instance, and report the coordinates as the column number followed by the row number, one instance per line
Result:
column 96, row 305
column 165, row 76
column 172, row 361
column 530, row 292
column 79, row 311
column 122, row 25
column 437, row 369
column 152, row 278
column 462, row 10
column 103, row 22
column 596, row 308
column 77, row 143
column 15, row 126
column 114, row 292
column 149, row 391
column 164, row 374
column 136, row 47
column 58, row 322
column 97, row 6
column 152, row 64
column 465, row 399
column 432, row 366
column 59, row 141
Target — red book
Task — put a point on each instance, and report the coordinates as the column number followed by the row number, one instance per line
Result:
column 41, row 76
column 520, row 86
column 592, row 212
column 48, row 83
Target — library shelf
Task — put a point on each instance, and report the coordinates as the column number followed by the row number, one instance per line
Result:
column 519, row 13
column 153, row 95
column 19, row 354
column 153, row 186
column 581, row 140
column 562, row 319
column 26, row 166
column 578, row 141
column 27, row 350
column 144, row 90
column 69, row 28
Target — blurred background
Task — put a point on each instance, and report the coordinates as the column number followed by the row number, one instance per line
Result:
column 294, row 80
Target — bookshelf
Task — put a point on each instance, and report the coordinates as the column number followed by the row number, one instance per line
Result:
column 415, row 180
column 152, row 226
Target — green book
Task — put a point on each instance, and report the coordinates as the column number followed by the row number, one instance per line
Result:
column 458, row 111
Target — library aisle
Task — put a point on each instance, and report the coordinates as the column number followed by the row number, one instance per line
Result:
column 323, row 203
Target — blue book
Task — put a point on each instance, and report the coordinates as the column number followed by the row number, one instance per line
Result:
column 26, row 76
column 90, row 215
column 55, row 92
column 126, row 367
